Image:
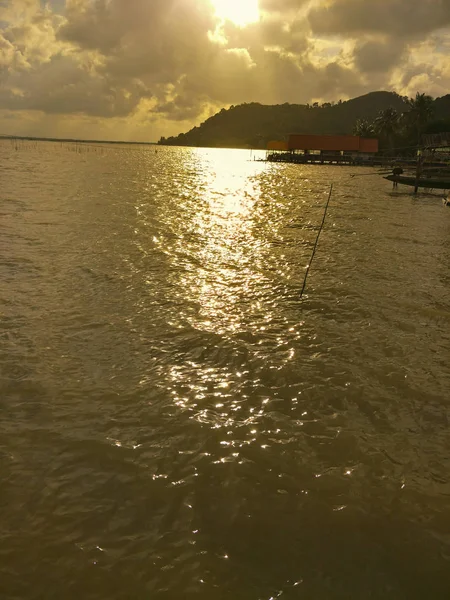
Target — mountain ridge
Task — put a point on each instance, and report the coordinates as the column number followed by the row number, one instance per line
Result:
column 252, row 125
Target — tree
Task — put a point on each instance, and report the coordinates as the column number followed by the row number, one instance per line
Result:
column 438, row 126
column 364, row 128
column 420, row 112
column 387, row 124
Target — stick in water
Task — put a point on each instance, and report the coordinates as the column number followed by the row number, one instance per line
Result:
column 317, row 241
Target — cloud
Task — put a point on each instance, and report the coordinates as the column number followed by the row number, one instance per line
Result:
column 30, row 30
column 151, row 67
column 282, row 7
column 403, row 18
column 378, row 56
column 112, row 26
column 11, row 59
column 63, row 86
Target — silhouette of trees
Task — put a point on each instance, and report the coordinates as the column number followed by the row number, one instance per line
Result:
column 387, row 124
column 420, row 111
column 402, row 129
column 364, row 128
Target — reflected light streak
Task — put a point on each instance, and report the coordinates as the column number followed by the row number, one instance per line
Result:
column 228, row 248
column 219, row 248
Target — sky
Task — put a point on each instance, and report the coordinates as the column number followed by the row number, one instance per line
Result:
column 141, row 69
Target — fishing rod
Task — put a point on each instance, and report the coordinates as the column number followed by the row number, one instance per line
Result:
column 317, row 241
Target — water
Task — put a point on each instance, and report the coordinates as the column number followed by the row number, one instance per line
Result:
column 176, row 423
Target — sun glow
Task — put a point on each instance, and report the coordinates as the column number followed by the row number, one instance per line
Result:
column 240, row 12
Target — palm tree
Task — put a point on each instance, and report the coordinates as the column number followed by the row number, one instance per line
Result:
column 387, row 124
column 364, row 128
column 420, row 111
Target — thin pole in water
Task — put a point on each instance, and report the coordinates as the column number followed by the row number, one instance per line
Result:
column 418, row 171
column 317, row 241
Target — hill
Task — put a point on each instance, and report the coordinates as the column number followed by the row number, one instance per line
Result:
column 253, row 125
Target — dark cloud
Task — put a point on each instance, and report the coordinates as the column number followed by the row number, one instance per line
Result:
column 404, row 18
column 106, row 25
column 336, row 79
column 378, row 56
column 60, row 86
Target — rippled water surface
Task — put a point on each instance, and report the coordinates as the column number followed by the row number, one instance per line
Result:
column 175, row 422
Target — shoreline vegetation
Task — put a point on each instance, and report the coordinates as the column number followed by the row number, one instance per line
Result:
column 397, row 121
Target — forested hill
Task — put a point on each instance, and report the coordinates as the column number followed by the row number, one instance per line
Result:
column 253, row 125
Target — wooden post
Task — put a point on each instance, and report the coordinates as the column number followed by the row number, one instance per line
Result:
column 418, row 170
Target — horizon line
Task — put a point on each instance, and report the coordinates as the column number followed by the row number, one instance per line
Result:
column 83, row 141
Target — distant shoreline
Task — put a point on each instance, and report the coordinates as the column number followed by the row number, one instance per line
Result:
column 72, row 140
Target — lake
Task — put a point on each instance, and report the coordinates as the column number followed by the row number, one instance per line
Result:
column 176, row 422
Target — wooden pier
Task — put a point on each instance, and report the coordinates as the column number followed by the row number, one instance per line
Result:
column 323, row 150
column 324, row 159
